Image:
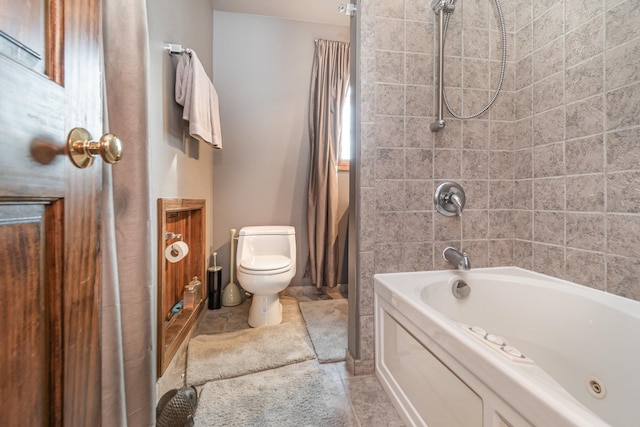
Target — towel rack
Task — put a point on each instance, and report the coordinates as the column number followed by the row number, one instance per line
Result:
column 177, row 49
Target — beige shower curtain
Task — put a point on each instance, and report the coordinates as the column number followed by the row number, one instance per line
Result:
column 128, row 374
column 329, row 84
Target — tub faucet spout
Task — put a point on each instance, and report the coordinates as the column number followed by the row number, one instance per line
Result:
column 457, row 258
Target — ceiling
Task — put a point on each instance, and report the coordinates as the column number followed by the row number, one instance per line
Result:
column 322, row 11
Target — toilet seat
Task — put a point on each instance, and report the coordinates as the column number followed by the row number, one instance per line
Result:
column 265, row 264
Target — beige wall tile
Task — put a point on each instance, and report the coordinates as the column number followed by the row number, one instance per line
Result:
column 478, row 252
column 501, row 194
column 622, row 235
column 390, row 9
column 418, row 100
column 549, row 260
column 523, row 225
column 389, row 194
column 549, row 26
column 418, row 226
column 584, row 42
column 452, row 137
column 418, row 256
column 501, row 225
column 523, row 254
column 548, row 160
column 548, row 93
column 389, row 132
column 417, row 134
column 477, row 193
column 548, row 227
column 584, row 80
column 585, row 193
column 578, row 12
column 389, row 163
column 585, row 155
column 585, row 268
column 585, row 118
column 524, row 72
column 475, row 225
column 419, row 10
column 620, row 70
column 549, row 194
column 475, row 164
column 389, row 34
column 419, row 69
column 502, row 135
column 623, row 192
column 548, row 60
column 389, row 99
column 389, row 67
column 549, row 126
column 475, row 134
column 622, row 276
column 500, row 253
column 623, row 107
column 586, row 231
column 623, row 150
column 419, row 163
column 623, row 23
column 523, row 194
column 418, row 195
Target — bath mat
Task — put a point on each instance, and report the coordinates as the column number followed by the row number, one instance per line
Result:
column 228, row 355
column 327, row 326
column 299, row 395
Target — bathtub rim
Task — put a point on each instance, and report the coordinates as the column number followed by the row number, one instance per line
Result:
column 492, row 370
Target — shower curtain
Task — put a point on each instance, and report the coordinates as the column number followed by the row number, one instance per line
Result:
column 329, row 84
column 128, row 374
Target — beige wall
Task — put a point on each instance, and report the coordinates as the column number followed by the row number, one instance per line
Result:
column 179, row 167
column 322, row 11
column 262, row 71
column 551, row 171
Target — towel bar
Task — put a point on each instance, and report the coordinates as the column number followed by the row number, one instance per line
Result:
column 177, row 49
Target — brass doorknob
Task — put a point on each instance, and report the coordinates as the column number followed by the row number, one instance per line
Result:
column 82, row 149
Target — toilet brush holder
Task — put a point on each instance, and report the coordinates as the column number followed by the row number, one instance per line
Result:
column 214, row 282
column 231, row 295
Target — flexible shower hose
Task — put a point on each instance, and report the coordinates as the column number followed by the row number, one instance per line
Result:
column 502, row 68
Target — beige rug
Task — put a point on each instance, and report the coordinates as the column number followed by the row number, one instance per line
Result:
column 295, row 396
column 327, row 326
column 228, row 355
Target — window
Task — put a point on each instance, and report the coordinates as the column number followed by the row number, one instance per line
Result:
column 345, row 137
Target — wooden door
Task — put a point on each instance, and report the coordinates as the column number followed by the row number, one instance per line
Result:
column 50, row 75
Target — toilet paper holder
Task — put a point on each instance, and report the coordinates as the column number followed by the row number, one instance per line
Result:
column 169, row 236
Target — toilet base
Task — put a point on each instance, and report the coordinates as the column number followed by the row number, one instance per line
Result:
column 265, row 310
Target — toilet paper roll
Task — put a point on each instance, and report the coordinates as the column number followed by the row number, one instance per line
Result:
column 176, row 251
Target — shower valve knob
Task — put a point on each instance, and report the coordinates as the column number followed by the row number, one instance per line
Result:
column 449, row 199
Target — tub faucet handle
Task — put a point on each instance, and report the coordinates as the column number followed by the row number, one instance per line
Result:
column 455, row 200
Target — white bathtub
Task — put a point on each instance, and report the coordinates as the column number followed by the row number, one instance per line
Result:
column 576, row 341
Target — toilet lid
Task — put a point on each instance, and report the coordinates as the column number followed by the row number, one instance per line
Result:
column 265, row 262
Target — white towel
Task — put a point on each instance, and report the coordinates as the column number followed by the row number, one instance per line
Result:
column 195, row 92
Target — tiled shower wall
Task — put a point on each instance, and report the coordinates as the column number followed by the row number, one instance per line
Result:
column 551, row 171
column 577, row 148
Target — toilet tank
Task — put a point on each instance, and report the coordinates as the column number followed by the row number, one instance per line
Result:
column 267, row 240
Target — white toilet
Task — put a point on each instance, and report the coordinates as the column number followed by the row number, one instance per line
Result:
column 266, row 263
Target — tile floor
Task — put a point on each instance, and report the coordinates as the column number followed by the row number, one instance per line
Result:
column 365, row 398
